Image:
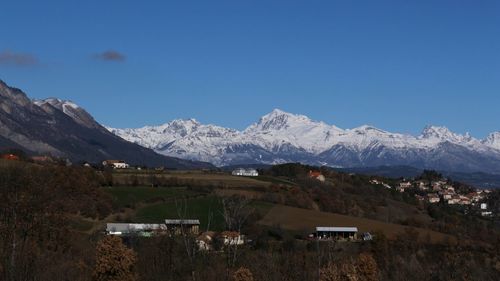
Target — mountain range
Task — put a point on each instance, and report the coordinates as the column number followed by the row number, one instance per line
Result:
column 63, row 129
column 280, row 137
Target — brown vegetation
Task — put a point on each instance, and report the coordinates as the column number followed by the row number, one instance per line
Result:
column 298, row 219
column 114, row 261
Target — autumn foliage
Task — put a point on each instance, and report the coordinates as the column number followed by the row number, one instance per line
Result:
column 242, row 274
column 114, row 261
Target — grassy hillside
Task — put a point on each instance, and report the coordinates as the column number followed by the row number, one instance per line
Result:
column 181, row 178
column 124, row 196
column 296, row 219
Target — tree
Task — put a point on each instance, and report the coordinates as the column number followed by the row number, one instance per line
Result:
column 329, row 273
column 235, row 212
column 114, row 261
column 243, row 274
column 345, row 271
column 367, row 267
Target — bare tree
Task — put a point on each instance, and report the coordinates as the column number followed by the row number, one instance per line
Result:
column 235, row 211
column 187, row 237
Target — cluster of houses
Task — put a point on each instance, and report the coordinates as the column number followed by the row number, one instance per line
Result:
column 242, row 172
column 206, row 241
column 442, row 191
column 211, row 240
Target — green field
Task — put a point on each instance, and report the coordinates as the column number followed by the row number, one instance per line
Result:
column 196, row 208
column 275, row 180
column 130, row 196
column 201, row 208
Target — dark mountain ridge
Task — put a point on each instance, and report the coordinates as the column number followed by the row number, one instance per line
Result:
column 62, row 129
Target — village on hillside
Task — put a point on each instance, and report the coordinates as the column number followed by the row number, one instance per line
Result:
column 442, row 191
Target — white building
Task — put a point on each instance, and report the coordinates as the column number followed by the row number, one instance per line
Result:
column 336, row 233
column 404, row 185
column 120, row 165
column 433, row 198
column 116, row 164
column 232, row 238
column 245, row 172
column 140, row 229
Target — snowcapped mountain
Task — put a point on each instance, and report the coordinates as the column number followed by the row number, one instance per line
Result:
column 284, row 137
column 493, row 140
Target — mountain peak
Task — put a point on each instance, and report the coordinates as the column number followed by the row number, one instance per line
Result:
column 493, row 140
column 183, row 123
column 63, row 105
column 14, row 94
column 69, row 108
column 280, row 120
column 369, row 128
column 278, row 111
column 442, row 134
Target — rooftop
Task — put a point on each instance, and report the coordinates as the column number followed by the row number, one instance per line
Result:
column 336, row 229
column 179, row 222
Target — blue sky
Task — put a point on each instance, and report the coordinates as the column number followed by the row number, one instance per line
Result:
column 398, row 65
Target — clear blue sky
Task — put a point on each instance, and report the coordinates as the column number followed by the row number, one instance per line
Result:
column 397, row 65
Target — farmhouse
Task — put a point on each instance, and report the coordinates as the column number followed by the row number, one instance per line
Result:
column 115, row 164
column 179, row 227
column 316, row 175
column 205, row 241
column 336, row 233
column 245, row 172
column 138, row 229
column 231, row 238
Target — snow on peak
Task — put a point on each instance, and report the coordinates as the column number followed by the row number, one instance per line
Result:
column 439, row 133
column 279, row 120
column 282, row 133
column 65, row 106
column 181, row 125
column 58, row 103
column 369, row 129
column 433, row 135
column 493, row 140
column 282, row 129
column 69, row 108
column 182, row 137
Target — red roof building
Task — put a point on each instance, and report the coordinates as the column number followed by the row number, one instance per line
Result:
column 316, row 175
column 10, row 157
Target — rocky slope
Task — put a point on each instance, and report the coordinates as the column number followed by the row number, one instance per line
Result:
column 63, row 129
